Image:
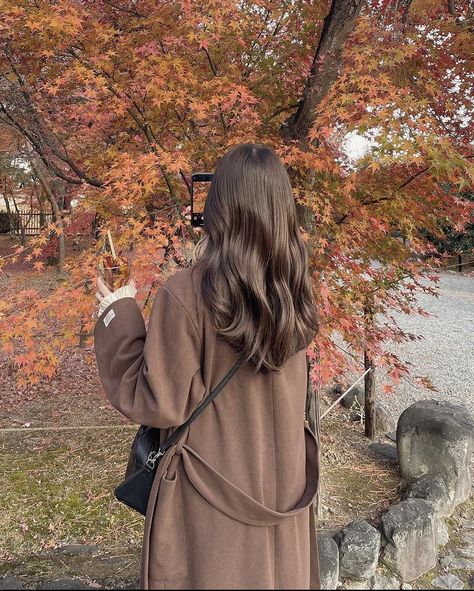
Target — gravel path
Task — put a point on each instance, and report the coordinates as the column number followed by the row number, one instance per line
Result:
column 446, row 355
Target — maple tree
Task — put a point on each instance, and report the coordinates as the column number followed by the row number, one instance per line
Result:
column 455, row 242
column 118, row 102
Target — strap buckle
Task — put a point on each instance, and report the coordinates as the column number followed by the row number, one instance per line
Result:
column 152, row 458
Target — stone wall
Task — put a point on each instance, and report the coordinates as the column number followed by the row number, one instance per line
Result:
column 434, row 444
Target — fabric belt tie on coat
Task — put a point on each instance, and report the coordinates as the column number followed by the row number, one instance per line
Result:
column 234, row 502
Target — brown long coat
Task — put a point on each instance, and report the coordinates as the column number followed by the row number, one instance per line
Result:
column 231, row 504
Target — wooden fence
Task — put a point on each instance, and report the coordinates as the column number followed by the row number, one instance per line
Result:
column 24, row 223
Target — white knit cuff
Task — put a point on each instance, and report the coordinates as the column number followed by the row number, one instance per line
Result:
column 126, row 291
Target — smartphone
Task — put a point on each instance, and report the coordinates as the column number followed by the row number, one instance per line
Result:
column 199, row 189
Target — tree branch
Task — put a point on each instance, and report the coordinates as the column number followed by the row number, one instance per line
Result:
column 40, row 134
column 123, row 9
column 278, row 111
column 337, row 26
column 389, row 198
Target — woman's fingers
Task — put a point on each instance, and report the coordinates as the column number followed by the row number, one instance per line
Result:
column 187, row 215
column 103, row 289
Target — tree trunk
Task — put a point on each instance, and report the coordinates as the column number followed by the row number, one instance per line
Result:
column 21, row 227
column 369, row 406
column 56, row 213
column 5, row 198
column 337, row 26
column 369, row 380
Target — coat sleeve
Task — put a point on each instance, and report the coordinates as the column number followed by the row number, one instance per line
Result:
column 153, row 378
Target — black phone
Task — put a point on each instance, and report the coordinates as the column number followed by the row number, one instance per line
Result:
column 199, row 189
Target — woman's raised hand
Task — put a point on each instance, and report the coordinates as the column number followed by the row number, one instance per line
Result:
column 103, row 289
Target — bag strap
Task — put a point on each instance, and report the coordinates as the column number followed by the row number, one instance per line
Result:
column 173, row 438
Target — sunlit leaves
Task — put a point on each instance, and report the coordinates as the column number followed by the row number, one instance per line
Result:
column 140, row 98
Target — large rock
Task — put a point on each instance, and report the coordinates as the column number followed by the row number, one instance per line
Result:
column 442, row 533
column 380, row 581
column 432, row 488
column 78, row 549
column 384, row 420
column 354, row 584
column 409, row 538
column 9, row 582
column 359, row 546
column 328, row 552
column 437, row 437
column 64, row 584
column 384, row 450
column 447, row 582
column 355, row 394
column 450, row 561
column 134, row 585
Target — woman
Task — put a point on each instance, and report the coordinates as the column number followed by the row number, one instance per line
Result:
column 231, row 504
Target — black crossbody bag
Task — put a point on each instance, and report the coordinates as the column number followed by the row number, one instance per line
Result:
column 147, row 452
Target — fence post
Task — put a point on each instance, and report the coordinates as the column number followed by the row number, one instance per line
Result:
column 82, row 334
column 369, row 380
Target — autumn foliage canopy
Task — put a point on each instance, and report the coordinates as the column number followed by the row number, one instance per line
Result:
column 113, row 104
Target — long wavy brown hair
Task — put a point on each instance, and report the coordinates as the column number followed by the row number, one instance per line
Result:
column 256, row 281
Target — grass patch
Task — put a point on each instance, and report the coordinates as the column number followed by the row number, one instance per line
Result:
column 57, row 488
column 354, row 484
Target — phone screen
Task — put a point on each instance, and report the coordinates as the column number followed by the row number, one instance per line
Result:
column 200, row 189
